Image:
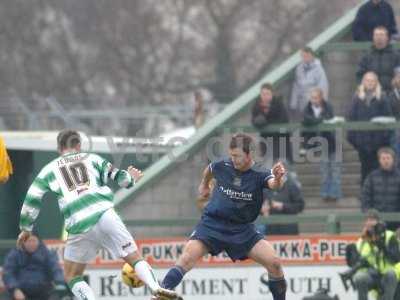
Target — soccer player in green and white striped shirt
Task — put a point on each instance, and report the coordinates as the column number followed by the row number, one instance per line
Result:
column 80, row 182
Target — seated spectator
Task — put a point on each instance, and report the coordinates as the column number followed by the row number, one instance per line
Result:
column 270, row 109
column 373, row 14
column 286, row 201
column 31, row 272
column 381, row 188
column 369, row 102
column 318, row 110
column 382, row 59
column 309, row 73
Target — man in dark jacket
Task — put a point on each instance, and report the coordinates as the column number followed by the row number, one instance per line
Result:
column 269, row 109
column 286, row 201
column 382, row 59
column 381, row 189
column 372, row 14
column 30, row 272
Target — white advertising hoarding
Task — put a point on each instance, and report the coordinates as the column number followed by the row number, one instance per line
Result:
column 227, row 283
column 310, row 262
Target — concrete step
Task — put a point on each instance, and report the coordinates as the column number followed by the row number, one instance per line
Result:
column 348, row 155
column 347, row 191
column 315, row 204
column 355, row 226
column 315, row 179
column 314, row 169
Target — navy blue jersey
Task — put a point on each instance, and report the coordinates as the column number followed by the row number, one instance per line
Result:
column 237, row 196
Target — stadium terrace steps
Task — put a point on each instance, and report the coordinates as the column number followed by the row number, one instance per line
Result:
column 350, row 190
column 314, row 204
column 306, row 170
column 172, row 185
column 348, row 180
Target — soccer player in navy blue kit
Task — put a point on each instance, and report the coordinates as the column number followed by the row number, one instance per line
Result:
column 227, row 221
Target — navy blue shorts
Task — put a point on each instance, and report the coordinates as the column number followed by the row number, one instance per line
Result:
column 235, row 239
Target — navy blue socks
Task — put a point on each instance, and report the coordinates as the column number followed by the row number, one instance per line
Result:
column 173, row 278
column 277, row 286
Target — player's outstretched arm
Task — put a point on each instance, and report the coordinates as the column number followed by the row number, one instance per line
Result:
column 204, row 187
column 277, row 182
column 32, row 204
column 124, row 178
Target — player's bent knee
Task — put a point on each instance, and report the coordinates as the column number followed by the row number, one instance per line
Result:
column 275, row 267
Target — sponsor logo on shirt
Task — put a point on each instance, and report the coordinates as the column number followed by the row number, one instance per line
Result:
column 236, row 195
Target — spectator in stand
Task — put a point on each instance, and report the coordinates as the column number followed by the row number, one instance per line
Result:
column 394, row 96
column 270, row 109
column 394, row 99
column 373, row 14
column 309, row 73
column 31, row 272
column 317, row 111
column 369, row 102
column 286, row 201
column 382, row 59
column 381, row 189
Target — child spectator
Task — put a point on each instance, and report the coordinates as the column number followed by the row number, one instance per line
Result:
column 317, row 111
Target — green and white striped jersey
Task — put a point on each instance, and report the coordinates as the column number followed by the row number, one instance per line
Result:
column 79, row 181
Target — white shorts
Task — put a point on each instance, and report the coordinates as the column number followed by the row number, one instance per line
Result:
column 109, row 233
